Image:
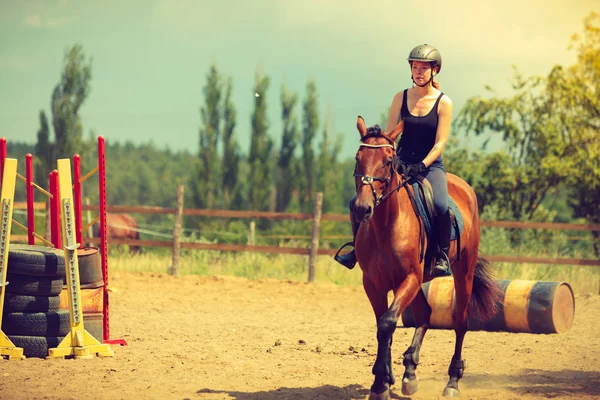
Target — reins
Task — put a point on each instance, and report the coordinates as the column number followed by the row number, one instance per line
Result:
column 368, row 180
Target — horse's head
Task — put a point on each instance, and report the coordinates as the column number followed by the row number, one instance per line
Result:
column 374, row 168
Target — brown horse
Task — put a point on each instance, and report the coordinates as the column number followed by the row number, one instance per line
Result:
column 120, row 226
column 388, row 246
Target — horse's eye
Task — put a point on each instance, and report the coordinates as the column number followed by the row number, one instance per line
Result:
column 387, row 162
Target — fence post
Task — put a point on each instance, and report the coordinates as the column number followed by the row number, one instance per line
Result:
column 252, row 233
column 314, row 244
column 90, row 231
column 177, row 231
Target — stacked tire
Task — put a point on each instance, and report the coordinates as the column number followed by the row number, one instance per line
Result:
column 34, row 317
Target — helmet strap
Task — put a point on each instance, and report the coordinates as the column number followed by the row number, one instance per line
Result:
column 423, row 85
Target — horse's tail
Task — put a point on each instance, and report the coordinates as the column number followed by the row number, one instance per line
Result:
column 487, row 295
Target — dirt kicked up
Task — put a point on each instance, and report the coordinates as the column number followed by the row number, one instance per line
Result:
column 230, row 338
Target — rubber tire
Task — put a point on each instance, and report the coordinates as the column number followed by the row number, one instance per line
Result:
column 21, row 303
column 35, row 260
column 35, row 346
column 53, row 323
column 31, row 285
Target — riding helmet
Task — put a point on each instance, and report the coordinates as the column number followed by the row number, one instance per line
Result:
column 426, row 53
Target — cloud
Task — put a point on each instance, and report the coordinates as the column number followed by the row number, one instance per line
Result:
column 37, row 21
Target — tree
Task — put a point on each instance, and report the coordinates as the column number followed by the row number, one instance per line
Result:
column 67, row 98
column 329, row 182
column 310, row 125
column 535, row 163
column 206, row 184
column 576, row 93
column 289, row 139
column 261, row 145
column 44, row 152
column 231, row 150
column 550, row 127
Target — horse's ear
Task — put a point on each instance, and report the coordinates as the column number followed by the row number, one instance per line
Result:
column 362, row 128
column 396, row 131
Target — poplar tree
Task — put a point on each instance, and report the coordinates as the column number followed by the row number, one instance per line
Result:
column 231, row 149
column 207, row 182
column 67, row 98
column 289, row 137
column 310, row 124
column 261, row 145
column 329, row 180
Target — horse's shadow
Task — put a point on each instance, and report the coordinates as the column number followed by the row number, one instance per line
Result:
column 535, row 382
column 569, row 383
column 350, row 392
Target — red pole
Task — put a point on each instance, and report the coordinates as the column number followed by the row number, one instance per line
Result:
column 30, row 199
column 77, row 196
column 2, row 158
column 54, row 210
column 103, row 239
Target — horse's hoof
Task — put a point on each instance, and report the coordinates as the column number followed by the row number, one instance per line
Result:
column 451, row 392
column 410, row 387
column 385, row 395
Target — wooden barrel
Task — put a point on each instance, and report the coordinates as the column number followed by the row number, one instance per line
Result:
column 527, row 306
column 92, row 301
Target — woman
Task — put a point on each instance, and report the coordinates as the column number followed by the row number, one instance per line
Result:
column 427, row 116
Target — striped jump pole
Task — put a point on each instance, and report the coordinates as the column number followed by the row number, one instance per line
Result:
column 526, row 306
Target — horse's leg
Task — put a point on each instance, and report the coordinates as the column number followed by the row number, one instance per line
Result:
column 422, row 313
column 386, row 325
column 463, row 285
column 379, row 302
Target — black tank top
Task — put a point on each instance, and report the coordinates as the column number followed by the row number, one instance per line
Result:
column 419, row 133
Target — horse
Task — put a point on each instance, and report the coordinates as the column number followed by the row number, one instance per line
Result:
column 120, row 226
column 389, row 249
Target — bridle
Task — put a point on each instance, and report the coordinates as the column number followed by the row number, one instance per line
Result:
column 368, row 179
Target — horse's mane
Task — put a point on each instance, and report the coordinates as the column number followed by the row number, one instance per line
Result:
column 375, row 132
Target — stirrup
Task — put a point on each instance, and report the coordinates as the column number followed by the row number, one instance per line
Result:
column 347, row 260
column 441, row 266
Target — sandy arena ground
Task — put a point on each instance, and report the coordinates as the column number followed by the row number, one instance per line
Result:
column 229, row 338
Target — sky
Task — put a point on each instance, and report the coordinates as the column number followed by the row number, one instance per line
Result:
column 150, row 58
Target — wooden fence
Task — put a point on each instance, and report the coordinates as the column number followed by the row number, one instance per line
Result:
column 316, row 217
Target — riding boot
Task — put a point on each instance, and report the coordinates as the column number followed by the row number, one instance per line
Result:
column 444, row 231
column 348, row 260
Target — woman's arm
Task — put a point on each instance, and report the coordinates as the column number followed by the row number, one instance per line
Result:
column 443, row 131
column 394, row 115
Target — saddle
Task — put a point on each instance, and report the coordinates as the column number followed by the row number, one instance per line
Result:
column 422, row 203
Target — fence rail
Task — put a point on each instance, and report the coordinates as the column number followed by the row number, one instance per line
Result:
column 324, row 217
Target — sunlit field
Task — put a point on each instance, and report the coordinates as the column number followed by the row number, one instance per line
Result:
column 583, row 280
